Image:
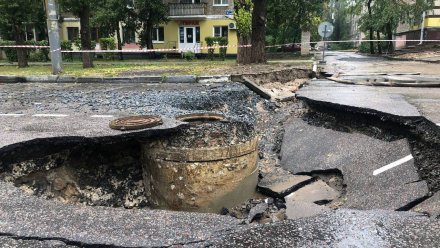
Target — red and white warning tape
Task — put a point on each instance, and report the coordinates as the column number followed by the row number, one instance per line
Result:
column 198, row 48
column 157, row 50
column 25, row 46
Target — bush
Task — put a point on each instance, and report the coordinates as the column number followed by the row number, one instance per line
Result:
column 78, row 45
column 341, row 46
column 189, row 55
column 11, row 53
column 364, row 47
column 37, row 56
column 66, row 45
column 108, row 44
column 210, row 42
column 223, row 41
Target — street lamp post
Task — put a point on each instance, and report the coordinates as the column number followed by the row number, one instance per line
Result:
column 54, row 37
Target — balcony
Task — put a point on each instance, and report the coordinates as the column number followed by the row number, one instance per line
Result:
column 187, row 9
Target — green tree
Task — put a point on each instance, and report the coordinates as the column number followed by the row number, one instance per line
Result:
column 13, row 16
column 385, row 16
column 149, row 14
column 287, row 18
column 110, row 13
column 243, row 17
column 83, row 9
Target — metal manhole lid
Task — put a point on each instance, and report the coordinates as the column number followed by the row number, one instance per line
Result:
column 136, row 122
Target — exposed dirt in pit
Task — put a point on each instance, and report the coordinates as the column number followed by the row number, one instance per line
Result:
column 106, row 173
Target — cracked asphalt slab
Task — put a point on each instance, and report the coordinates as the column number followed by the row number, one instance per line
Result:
column 308, row 148
column 426, row 100
column 29, row 221
column 28, row 217
column 341, row 228
column 21, row 129
column 363, row 98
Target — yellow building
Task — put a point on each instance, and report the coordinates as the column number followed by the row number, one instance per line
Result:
column 430, row 27
column 190, row 22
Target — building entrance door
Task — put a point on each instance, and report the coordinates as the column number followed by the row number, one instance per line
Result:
column 189, row 39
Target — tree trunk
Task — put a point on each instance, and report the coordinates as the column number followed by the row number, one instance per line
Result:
column 118, row 34
column 244, row 54
column 390, row 37
column 86, row 43
column 370, row 15
column 21, row 52
column 259, row 14
column 379, row 45
column 149, row 35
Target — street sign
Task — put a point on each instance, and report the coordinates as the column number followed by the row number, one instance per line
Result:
column 325, row 29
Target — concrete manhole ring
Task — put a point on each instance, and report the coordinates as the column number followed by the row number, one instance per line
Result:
column 200, row 117
column 136, row 122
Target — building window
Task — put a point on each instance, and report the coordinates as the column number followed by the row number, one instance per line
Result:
column 72, row 33
column 221, row 31
column 158, row 34
column 220, row 2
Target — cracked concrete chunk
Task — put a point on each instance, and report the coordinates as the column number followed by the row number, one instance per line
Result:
column 296, row 209
column 315, row 192
column 279, row 185
column 257, row 211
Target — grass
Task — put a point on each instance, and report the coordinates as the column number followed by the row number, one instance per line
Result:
column 142, row 67
column 114, row 68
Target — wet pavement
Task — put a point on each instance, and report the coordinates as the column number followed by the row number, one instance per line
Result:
column 308, row 148
column 342, row 228
column 366, row 218
column 399, row 101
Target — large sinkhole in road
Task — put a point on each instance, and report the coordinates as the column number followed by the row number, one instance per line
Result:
column 209, row 165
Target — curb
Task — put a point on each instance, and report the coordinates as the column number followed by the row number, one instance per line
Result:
column 136, row 79
column 412, row 60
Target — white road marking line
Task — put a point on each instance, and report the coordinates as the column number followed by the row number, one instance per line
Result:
column 392, row 165
column 438, row 124
column 11, row 115
column 102, row 116
column 49, row 115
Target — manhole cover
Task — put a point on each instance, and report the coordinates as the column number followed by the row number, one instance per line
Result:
column 136, row 122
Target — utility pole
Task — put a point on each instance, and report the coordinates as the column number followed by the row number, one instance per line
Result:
column 422, row 30
column 54, row 37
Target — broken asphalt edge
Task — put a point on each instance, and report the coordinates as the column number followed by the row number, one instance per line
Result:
column 389, row 84
column 365, row 111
